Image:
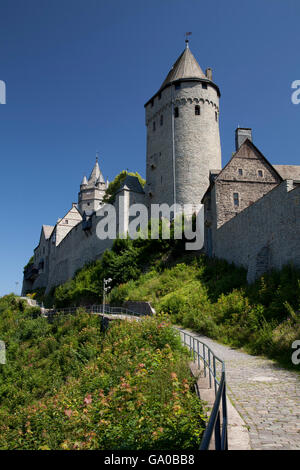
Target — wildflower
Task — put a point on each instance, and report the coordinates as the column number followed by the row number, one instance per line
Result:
column 68, row 413
column 88, row 399
column 174, row 375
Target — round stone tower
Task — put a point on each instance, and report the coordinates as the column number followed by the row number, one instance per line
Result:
column 183, row 140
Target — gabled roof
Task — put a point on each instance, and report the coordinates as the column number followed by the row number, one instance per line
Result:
column 219, row 175
column 288, row 172
column 249, row 143
column 186, row 66
column 47, row 229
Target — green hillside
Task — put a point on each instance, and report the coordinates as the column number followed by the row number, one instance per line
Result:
column 67, row 385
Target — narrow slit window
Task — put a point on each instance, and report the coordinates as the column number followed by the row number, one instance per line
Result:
column 236, row 199
column 197, row 110
column 154, row 125
column 216, row 116
column 176, row 112
column 161, row 120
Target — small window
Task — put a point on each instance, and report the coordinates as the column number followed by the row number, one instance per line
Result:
column 154, row 125
column 236, row 199
column 88, row 203
column 197, row 110
column 260, row 173
column 240, row 172
column 177, row 86
column 161, row 120
column 216, row 116
column 204, row 86
column 176, row 112
column 66, row 221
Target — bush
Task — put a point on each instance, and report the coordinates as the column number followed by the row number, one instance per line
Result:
column 67, row 386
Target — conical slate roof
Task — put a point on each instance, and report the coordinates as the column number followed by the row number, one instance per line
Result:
column 96, row 174
column 186, row 66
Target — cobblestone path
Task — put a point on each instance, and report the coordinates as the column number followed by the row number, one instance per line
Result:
column 266, row 396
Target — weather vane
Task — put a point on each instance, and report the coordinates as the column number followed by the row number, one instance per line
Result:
column 186, row 36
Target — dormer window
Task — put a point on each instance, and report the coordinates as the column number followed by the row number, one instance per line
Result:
column 260, row 173
column 240, row 172
column 197, row 110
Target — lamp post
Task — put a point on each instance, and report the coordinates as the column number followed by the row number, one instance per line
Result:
column 106, row 288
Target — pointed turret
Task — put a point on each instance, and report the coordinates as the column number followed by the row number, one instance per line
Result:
column 183, row 141
column 84, row 181
column 186, row 66
column 92, row 190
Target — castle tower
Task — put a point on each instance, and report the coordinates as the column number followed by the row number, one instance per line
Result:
column 92, row 190
column 183, row 140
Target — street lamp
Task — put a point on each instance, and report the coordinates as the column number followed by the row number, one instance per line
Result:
column 106, row 288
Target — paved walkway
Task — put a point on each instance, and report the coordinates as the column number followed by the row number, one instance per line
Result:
column 266, row 396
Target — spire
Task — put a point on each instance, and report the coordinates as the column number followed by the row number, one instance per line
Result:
column 84, row 181
column 186, row 66
column 96, row 175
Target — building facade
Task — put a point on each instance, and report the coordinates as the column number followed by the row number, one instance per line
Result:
column 251, row 207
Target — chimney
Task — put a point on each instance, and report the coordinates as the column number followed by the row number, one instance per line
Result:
column 208, row 73
column 241, row 134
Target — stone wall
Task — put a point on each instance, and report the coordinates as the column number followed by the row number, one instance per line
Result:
column 196, row 143
column 265, row 235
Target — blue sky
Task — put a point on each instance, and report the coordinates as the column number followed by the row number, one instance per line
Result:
column 78, row 73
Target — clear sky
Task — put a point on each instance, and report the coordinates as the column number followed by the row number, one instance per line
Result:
column 78, row 73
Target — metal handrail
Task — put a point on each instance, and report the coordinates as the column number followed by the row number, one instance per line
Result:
column 95, row 309
column 215, row 425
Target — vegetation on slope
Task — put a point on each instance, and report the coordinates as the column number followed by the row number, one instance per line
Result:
column 66, row 385
column 209, row 296
column 213, row 298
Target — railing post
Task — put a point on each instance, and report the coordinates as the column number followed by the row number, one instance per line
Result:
column 204, row 360
column 209, row 368
column 214, row 368
column 218, row 433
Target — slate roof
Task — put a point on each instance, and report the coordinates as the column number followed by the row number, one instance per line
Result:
column 132, row 183
column 186, row 66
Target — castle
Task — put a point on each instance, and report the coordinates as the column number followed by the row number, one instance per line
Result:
column 251, row 208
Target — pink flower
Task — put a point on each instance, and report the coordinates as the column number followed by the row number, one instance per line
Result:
column 68, row 413
column 88, row 399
